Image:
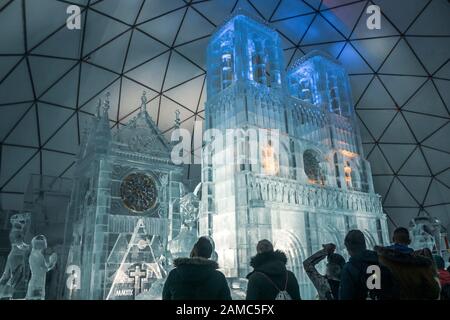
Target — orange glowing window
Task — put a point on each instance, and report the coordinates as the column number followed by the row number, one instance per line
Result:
column 348, row 173
column 348, row 154
column 270, row 162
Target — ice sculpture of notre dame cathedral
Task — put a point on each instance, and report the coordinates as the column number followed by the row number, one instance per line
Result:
column 308, row 183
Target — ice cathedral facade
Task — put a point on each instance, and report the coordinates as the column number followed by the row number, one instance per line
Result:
column 297, row 174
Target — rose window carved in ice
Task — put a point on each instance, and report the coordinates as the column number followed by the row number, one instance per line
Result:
column 138, row 192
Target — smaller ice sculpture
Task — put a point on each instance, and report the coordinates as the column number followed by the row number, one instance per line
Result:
column 138, row 268
column 422, row 230
column 182, row 244
column 40, row 264
column 16, row 271
column 189, row 210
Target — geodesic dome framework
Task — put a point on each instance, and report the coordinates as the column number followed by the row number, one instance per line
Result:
column 51, row 78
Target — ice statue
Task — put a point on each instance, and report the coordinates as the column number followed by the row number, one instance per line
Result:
column 40, row 264
column 424, row 233
column 189, row 210
column 16, row 271
column 182, row 244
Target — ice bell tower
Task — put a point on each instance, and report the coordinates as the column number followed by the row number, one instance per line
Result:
column 245, row 114
column 242, row 56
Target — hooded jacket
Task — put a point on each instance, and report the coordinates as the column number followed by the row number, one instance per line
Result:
column 270, row 276
column 196, row 279
column 354, row 276
column 401, row 247
column 415, row 274
column 351, row 288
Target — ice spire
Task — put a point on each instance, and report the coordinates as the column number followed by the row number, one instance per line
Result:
column 144, row 102
column 177, row 119
column 176, row 133
column 102, row 133
column 106, row 104
column 99, row 105
column 84, row 139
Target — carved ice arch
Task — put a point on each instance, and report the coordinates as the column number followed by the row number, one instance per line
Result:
column 370, row 240
column 291, row 245
column 336, row 236
column 287, row 163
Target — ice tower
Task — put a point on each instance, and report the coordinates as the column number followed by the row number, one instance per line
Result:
column 283, row 158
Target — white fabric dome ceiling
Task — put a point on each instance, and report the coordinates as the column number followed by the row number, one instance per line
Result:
column 51, row 77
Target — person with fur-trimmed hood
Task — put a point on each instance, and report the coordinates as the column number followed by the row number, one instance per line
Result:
column 270, row 278
column 415, row 273
column 197, row 277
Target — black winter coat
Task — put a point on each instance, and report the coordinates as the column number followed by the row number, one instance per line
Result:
column 196, row 279
column 272, row 265
column 354, row 276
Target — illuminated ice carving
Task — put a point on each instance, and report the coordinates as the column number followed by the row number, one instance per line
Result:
column 123, row 175
column 182, row 244
column 427, row 232
column 310, row 190
column 138, row 268
column 13, row 281
column 40, row 264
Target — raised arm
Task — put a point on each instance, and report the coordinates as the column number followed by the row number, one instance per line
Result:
column 319, row 281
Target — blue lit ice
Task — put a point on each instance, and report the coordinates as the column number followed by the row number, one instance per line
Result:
column 314, row 186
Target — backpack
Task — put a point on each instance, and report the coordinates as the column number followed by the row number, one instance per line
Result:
column 388, row 290
column 282, row 294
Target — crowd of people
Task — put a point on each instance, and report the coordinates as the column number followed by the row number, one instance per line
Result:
column 395, row 272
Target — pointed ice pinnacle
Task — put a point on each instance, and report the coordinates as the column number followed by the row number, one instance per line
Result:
column 99, row 105
column 144, row 102
column 106, row 105
column 177, row 118
column 85, row 131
